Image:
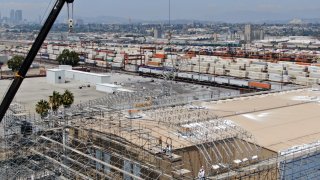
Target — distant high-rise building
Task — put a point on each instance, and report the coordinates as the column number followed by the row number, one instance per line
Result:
column 248, row 33
column 251, row 34
column 12, row 17
column 157, row 33
column 18, row 16
column 215, row 37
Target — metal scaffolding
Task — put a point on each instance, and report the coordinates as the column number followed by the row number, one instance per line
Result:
column 102, row 139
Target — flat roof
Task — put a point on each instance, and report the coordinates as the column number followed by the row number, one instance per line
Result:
column 277, row 121
column 55, row 70
column 89, row 73
column 33, row 90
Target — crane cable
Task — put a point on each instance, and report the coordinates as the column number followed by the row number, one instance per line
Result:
column 45, row 12
column 70, row 18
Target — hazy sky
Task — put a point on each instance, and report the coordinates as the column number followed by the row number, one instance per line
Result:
column 212, row 10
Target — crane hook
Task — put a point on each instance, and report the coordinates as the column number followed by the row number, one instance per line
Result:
column 70, row 18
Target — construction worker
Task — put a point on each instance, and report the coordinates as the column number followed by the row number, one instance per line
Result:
column 168, row 150
column 201, row 174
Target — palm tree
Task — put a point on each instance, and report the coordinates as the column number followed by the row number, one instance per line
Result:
column 42, row 108
column 55, row 101
column 67, row 99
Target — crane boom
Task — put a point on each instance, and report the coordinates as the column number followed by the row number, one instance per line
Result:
column 20, row 75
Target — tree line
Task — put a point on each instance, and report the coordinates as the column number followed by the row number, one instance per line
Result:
column 67, row 57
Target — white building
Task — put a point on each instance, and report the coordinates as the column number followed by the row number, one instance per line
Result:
column 56, row 76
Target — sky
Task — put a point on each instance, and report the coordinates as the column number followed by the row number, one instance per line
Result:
column 210, row 10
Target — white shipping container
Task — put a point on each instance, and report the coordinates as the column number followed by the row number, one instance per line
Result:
column 276, row 71
column 117, row 65
column 297, row 73
column 185, row 75
column 275, row 76
column 239, row 82
column 219, row 71
column 310, row 81
column 301, row 79
column 156, row 59
column 255, row 69
column 205, row 78
column 104, row 54
column 294, row 68
column 238, row 73
column 314, row 69
column 314, row 75
column 144, row 70
column 200, row 69
column 156, row 71
column 131, row 68
column 233, row 67
column 257, row 75
column 196, row 77
column 221, row 80
column 43, row 51
column 90, row 61
column 49, row 46
column 52, row 56
column 90, row 56
column 56, row 52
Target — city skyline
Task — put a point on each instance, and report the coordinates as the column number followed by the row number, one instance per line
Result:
column 226, row 11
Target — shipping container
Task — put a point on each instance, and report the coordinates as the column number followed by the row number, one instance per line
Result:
column 219, row 71
column 297, row 73
column 239, row 82
column 156, row 71
column 160, row 56
column 258, row 75
column 220, row 80
column 314, row 75
column 259, row 85
column 196, row 77
column 255, row 69
column 154, row 64
column 185, row 75
column 145, row 70
column 238, row 73
column 205, row 78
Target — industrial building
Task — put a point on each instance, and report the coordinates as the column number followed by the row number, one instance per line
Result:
column 142, row 134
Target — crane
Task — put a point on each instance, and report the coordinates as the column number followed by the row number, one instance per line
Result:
column 20, row 75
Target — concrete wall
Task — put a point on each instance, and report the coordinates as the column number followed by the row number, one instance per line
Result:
column 65, row 67
column 86, row 77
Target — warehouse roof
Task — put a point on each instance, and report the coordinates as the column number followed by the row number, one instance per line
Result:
column 278, row 121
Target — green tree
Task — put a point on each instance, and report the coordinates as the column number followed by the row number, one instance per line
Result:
column 68, row 58
column 42, row 108
column 55, row 101
column 15, row 63
column 67, row 99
